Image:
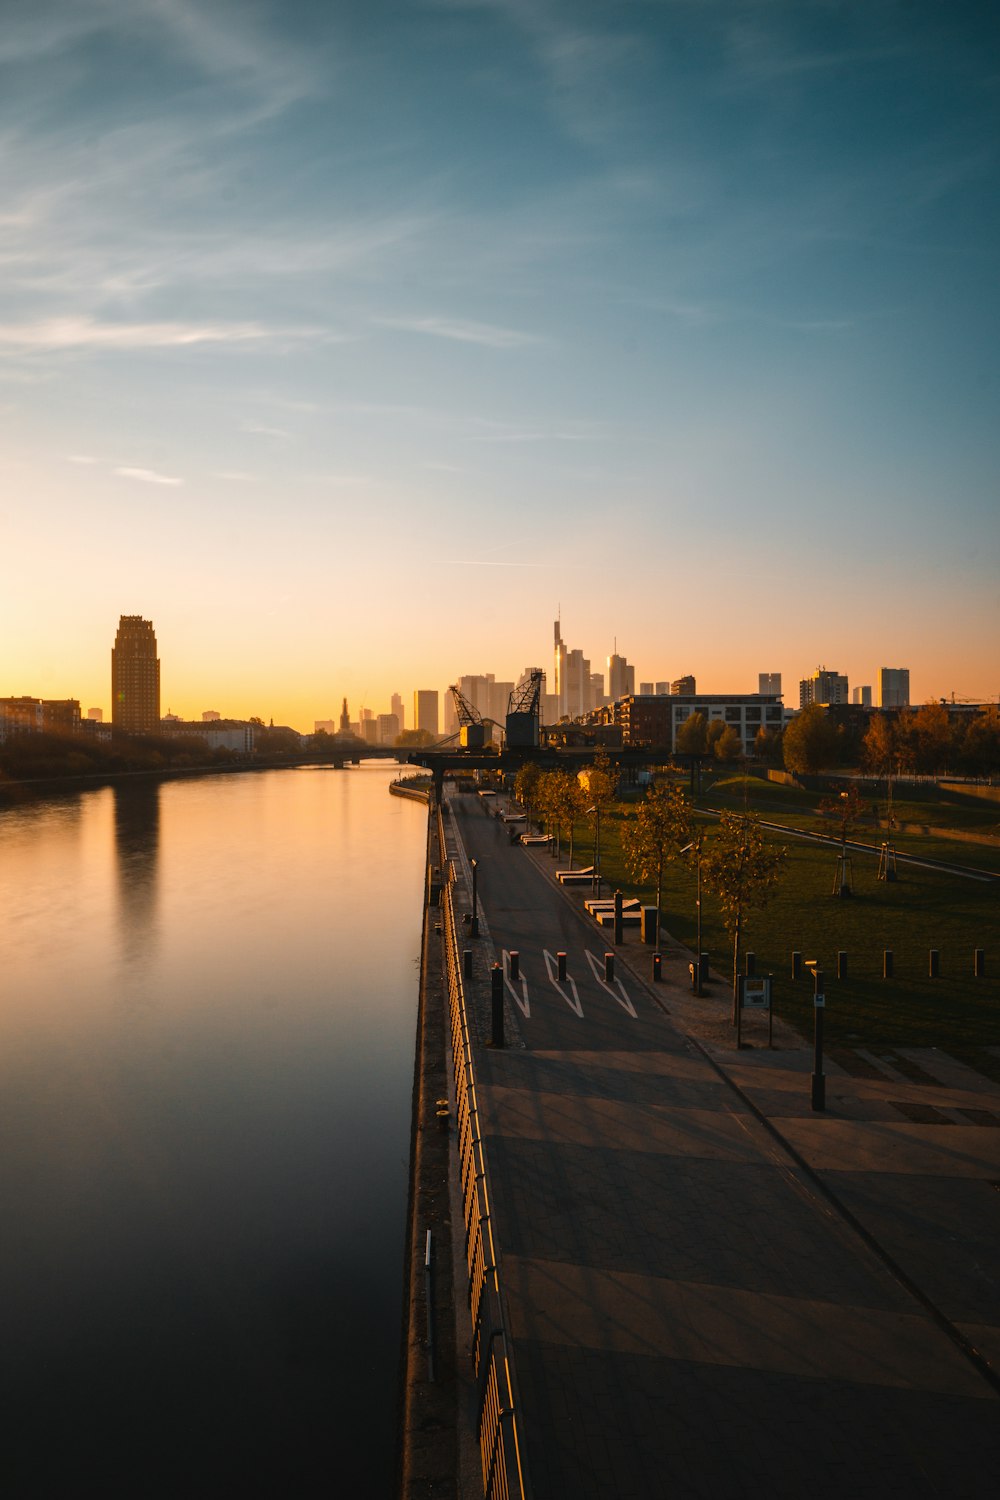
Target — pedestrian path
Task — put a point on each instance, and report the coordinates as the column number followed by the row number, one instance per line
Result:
column 691, row 1314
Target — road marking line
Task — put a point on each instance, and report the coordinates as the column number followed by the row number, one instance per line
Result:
column 621, row 997
column 553, row 970
column 519, row 1000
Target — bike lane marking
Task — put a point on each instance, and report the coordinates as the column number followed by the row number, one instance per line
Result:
column 552, row 967
column 621, row 996
column 520, row 1000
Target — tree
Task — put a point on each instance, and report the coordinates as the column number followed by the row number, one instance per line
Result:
column 767, row 745
column 414, row 739
column 728, row 746
column 879, row 745
column 847, row 809
column 713, row 735
column 742, row 871
column 526, row 784
column 934, row 737
column 980, row 748
column 599, row 782
column 809, row 743
column 564, row 803
column 692, row 737
column 657, row 833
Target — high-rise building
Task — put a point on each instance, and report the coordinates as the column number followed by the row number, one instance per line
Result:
column 894, row 687
column 396, row 707
column 388, row 729
column 683, row 686
column 135, row 677
column 646, row 689
column 426, row 711
column 862, row 696
column 769, row 684
column 621, row 677
column 96, row 715
column 823, row 687
column 210, row 715
column 662, row 689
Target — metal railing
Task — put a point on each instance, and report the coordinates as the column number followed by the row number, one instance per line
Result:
column 504, row 1476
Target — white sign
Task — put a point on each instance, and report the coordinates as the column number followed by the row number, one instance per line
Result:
column 756, row 994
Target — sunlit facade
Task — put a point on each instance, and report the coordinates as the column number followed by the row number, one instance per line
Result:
column 135, row 677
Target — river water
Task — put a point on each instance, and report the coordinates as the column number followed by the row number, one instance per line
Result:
column 208, row 995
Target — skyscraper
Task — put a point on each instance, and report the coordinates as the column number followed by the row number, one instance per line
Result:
column 135, row 677
column 425, row 710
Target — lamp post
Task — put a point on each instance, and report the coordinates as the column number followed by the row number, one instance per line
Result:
column 475, row 899
column 696, row 846
column 596, row 882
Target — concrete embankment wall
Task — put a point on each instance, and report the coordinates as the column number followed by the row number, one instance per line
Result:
column 407, row 789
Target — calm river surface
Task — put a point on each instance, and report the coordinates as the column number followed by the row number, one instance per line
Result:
column 208, row 996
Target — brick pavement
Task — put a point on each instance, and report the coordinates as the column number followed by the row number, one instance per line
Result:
column 691, row 1314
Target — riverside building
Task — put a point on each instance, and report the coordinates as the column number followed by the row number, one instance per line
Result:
column 135, row 677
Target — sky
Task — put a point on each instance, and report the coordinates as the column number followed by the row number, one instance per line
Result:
column 352, row 342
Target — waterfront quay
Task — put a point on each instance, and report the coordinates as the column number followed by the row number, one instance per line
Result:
column 702, row 1286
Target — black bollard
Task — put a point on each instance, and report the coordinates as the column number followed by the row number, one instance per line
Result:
column 496, row 977
column 841, row 965
column 979, row 963
column 609, row 968
column 796, row 965
column 933, row 963
column 561, row 962
column 657, row 966
column 750, row 965
column 619, row 924
column 887, row 963
column 515, row 965
column 467, row 963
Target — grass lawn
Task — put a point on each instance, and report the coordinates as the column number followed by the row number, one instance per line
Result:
column 922, row 909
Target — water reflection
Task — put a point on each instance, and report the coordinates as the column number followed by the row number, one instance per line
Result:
column 137, row 854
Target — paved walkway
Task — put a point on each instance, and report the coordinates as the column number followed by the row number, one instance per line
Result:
column 691, row 1314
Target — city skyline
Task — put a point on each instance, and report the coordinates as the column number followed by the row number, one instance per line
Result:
column 333, row 336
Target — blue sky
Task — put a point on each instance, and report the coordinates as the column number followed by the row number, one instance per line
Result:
column 346, row 341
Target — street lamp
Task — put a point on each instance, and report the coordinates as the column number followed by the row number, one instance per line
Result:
column 596, row 882
column 695, row 844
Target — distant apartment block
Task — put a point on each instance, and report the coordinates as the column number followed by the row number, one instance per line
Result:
column 426, row 710
column 683, row 687
column 210, row 716
column 96, row 715
column 861, row 697
column 26, row 715
column 894, row 687
column 388, row 728
column 646, row 689
column 769, row 684
column 135, row 677
column 823, row 687
column 656, row 720
column 218, row 734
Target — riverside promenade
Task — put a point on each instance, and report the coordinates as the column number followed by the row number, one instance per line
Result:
column 708, row 1289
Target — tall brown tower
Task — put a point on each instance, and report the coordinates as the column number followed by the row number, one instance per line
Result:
column 135, row 677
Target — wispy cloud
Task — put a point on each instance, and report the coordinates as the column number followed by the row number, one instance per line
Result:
column 148, row 476
column 462, row 331
column 82, row 332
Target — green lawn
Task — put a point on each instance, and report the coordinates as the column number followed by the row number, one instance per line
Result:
column 922, row 909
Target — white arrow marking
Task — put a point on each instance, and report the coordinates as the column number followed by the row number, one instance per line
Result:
column 519, row 1000
column 553, row 970
column 621, row 997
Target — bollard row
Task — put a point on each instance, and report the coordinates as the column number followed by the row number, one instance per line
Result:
column 888, row 964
